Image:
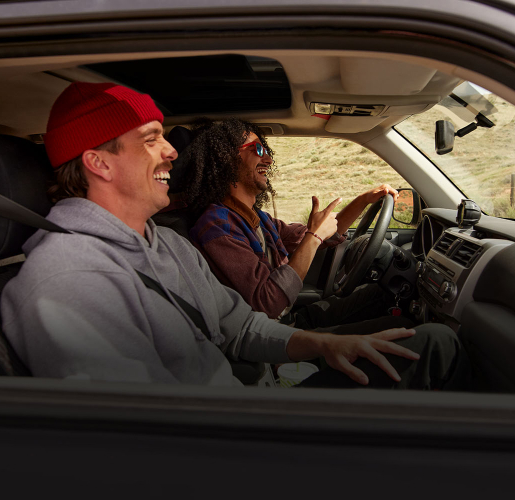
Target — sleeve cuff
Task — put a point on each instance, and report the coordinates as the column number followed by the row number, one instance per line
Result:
column 287, row 279
column 336, row 239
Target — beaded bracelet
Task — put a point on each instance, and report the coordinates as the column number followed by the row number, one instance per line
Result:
column 315, row 235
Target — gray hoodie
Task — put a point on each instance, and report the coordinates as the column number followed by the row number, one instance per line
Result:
column 78, row 309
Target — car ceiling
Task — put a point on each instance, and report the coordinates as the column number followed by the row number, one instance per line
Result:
column 402, row 58
column 398, row 85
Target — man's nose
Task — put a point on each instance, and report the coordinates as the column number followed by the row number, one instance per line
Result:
column 169, row 152
column 266, row 159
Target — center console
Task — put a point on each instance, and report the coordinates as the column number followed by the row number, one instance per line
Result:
column 447, row 276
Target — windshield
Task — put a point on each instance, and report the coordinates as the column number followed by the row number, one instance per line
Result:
column 482, row 162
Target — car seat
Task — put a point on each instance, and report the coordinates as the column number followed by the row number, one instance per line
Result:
column 25, row 175
column 177, row 215
column 25, row 172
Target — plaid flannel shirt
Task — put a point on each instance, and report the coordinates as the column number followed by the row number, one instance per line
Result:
column 226, row 236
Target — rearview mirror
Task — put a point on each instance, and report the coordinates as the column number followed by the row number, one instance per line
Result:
column 407, row 207
column 444, row 137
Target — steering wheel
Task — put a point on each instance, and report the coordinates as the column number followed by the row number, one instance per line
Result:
column 363, row 248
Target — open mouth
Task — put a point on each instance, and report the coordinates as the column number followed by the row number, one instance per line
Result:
column 162, row 177
column 262, row 170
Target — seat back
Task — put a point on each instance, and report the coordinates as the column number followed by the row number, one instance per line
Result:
column 25, row 174
column 177, row 216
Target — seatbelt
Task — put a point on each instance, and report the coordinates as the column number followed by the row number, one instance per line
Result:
column 18, row 213
column 191, row 311
column 14, row 211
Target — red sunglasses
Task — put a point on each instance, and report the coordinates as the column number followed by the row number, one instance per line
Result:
column 260, row 150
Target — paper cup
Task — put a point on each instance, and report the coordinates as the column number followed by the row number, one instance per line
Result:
column 294, row 373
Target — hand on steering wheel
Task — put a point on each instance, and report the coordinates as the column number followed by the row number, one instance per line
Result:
column 363, row 248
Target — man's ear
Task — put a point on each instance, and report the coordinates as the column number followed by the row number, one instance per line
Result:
column 96, row 162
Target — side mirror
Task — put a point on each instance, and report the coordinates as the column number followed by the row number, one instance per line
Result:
column 407, row 207
column 444, row 137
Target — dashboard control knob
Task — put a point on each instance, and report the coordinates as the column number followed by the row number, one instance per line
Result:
column 447, row 290
column 421, row 267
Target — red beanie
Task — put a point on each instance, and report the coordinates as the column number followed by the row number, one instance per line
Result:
column 87, row 115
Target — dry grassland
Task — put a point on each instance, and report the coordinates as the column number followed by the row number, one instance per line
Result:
column 326, row 168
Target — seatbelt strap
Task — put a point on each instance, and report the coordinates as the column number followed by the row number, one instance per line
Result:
column 191, row 311
column 14, row 211
column 18, row 213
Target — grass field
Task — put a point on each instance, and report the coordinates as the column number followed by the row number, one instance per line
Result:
column 326, row 168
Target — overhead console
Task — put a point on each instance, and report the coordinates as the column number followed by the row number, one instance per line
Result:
column 359, row 93
column 352, row 113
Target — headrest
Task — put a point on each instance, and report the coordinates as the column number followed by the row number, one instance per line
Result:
column 25, row 174
column 179, row 137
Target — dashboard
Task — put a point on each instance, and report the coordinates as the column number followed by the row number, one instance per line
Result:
column 451, row 263
column 466, row 280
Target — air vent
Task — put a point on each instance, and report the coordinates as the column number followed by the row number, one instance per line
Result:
column 445, row 242
column 466, row 253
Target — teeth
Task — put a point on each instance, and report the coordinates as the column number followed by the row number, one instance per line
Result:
column 162, row 176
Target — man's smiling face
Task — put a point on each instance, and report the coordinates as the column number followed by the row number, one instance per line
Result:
column 141, row 168
column 253, row 168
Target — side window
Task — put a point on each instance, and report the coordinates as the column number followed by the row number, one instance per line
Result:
column 326, row 168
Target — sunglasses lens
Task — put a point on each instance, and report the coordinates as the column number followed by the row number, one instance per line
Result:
column 259, row 149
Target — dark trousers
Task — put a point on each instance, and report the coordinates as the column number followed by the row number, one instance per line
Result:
column 443, row 365
column 443, row 362
column 334, row 314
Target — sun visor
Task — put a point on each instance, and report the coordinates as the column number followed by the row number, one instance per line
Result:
column 352, row 124
column 383, row 77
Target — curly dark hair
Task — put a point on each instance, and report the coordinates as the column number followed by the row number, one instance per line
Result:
column 213, row 160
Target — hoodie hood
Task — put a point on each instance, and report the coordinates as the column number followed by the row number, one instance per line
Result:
column 86, row 217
